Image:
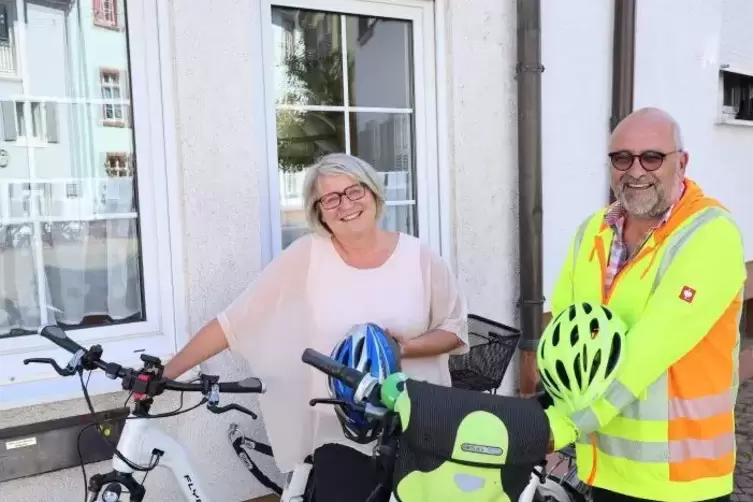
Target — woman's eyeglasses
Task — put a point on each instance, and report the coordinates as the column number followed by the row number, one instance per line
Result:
column 333, row 200
column 650, row 160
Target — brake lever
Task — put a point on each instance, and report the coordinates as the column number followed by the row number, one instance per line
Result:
column 541, row 474
column 335, row 402
column 231, row 407
column 44, row 360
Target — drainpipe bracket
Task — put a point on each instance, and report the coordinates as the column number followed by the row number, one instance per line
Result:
column 521, row 302
column 520, row 68
column 528, row 345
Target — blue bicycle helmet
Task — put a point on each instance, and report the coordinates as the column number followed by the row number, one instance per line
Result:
column 367, row 348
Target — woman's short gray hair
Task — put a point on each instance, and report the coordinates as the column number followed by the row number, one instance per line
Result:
column 333, row 164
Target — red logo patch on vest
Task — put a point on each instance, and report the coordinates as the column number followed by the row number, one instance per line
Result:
column 687, row 294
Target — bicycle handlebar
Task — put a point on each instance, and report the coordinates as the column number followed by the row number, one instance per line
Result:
column 56, row 335
column 350, row 376
column 248, row 386
column 148, row 381
column 367, row 390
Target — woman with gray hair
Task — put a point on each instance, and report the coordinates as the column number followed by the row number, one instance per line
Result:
column 347, row 271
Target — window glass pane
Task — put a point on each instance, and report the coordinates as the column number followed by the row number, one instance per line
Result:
column 69, row 225
column 307, row 57
column 302, row 137
column 385, row 140
column 380, row 62
column 401, row 218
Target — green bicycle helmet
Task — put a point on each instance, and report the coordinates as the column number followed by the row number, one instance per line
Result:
column 579, row 354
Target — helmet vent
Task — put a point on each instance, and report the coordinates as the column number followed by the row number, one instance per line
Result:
column 578, row 374
column 574, row 336
column 607, row 313
column 595, row 367
column 587, row 308
column 572, row 313
column 594, row 327
column 585, row 356
column 550, row 381
column 614, row 353
column 556, row 336
column 562, row 373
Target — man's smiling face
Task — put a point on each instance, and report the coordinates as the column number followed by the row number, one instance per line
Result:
column 647, row 193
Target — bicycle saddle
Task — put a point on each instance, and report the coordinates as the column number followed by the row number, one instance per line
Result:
column 460, row 445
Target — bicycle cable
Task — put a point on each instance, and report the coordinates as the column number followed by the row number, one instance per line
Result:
column 154, row 462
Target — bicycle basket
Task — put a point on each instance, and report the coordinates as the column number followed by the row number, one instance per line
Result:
column 492, row 346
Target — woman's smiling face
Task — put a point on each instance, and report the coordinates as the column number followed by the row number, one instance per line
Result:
column 346, row 206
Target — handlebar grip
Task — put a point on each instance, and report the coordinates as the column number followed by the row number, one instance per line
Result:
column 329, row 366
column 247, row 386
column 56, row 335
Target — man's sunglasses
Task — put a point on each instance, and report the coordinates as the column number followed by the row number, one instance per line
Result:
column 650, row 160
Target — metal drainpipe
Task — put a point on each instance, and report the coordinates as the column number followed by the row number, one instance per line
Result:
column 623, row 64
column 529, row 157
column 531, row 301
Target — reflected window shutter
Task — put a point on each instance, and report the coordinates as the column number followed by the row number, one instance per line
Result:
column 125, row 89
column 51, row 110
column 8, row 110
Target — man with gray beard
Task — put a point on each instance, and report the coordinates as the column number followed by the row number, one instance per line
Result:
column 667, row 260
column 648, row 169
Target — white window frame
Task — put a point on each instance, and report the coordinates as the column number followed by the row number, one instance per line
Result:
column 31, row 140
column 159, row 207
column 11, row 46
column 114, row 103
column 722, row 117
column 429, row 111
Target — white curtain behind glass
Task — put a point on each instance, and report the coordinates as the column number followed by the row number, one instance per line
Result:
column 89, row 267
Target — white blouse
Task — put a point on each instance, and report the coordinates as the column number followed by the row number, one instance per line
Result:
column 309, row 297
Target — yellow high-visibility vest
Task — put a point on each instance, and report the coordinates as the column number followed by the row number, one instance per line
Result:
column 665, row 429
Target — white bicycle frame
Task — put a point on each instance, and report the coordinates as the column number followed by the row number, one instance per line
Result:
column 140, row 437
column 548, row 488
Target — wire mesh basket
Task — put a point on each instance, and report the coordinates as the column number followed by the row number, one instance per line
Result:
column 492, row 346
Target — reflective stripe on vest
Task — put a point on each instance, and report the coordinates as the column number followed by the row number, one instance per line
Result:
column 685, row 446
column 576, row 249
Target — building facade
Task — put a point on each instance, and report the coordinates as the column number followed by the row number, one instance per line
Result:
column 152, row 153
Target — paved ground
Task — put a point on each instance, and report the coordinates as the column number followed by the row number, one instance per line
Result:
column 744, row 470
column 744, row 413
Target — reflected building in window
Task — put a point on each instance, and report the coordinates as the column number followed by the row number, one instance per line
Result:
column 65, row 101
column 69, row 245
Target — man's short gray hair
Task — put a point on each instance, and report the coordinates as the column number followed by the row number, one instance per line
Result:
column 333, row 164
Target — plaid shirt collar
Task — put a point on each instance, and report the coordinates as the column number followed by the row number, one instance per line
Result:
column 618, row 253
